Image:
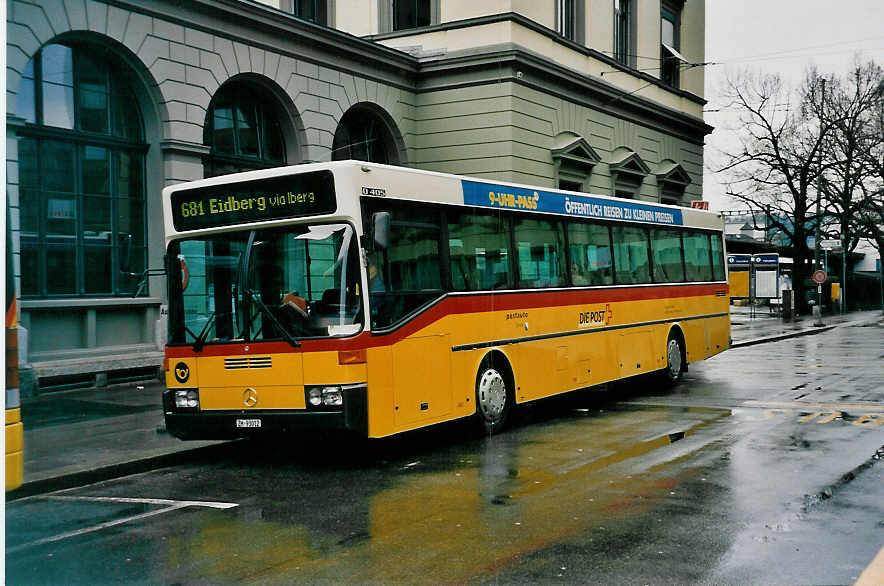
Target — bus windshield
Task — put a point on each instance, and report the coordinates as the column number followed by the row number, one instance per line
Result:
column 270, row 284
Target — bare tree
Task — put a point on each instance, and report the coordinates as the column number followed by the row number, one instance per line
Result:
column 850, row 106
column 871, row 213
column 775, row 169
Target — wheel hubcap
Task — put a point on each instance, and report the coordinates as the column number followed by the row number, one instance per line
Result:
column 674, row 357
column 492, row 395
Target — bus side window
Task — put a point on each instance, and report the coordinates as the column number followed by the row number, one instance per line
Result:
column 409, row 266
column 464, row 276
column 667, row 252
column 540, row 253
column 482, row 242
column 631, row 255
column 717, row 257
column 591, row 253
column 697, row 256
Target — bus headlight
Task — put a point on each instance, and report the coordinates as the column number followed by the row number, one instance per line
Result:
column 332, row 397
column 187, row 399
column 324, row 397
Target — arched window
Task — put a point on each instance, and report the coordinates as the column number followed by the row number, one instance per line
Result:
column 81, row 174
column 243, row 130
column 363, row 136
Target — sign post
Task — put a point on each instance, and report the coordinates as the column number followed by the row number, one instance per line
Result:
column 836, row 246
column 819, row 277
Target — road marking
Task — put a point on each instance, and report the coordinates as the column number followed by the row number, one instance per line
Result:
column 821, row 417
column 874, row 419
column 113, row 499
column 874, row 573
column 90, row 529
column 827, row 407
column 172, row 506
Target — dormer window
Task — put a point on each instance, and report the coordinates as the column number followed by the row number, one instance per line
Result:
column 628, row 172
column 574, row 159
column 672, row 179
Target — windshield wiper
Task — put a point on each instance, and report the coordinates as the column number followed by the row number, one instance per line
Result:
column 266, row 310
column 201, row 339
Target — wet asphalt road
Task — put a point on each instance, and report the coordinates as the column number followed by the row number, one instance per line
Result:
column 761, row 467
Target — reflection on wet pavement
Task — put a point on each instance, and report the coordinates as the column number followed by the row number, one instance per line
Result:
column 458, row 520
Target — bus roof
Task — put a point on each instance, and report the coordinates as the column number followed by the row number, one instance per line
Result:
column 373, row 180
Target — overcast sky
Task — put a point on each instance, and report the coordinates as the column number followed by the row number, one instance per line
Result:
column 781, row 36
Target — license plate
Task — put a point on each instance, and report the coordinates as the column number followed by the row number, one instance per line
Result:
column 248, row 423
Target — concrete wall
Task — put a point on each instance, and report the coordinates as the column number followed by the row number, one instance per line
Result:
column 506, row 131
column 693, row 45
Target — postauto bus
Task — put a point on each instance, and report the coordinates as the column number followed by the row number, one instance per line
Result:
column 381, row 299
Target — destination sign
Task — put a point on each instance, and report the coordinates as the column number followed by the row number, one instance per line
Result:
column 243, row 202
column 517, row 198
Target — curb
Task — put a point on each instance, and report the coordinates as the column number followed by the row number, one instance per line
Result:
column 111, row 472
column 778, row 337
column 807, row 332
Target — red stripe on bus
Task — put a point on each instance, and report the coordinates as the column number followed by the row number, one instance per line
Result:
column 460, row 304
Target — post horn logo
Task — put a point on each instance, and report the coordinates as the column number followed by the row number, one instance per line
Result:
column 182, row 372
column 250, row 397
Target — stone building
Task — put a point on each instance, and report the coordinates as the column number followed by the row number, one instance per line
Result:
column 108, row 102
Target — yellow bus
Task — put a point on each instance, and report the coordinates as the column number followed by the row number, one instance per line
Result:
column 14, row 428
column 381, row 299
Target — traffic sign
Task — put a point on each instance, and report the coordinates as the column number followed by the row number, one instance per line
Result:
column 830, row 244
column 819, row 276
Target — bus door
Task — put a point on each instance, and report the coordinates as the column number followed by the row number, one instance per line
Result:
column 421, row 379
column 404, row 276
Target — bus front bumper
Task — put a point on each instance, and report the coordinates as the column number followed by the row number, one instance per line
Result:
column 209, row 425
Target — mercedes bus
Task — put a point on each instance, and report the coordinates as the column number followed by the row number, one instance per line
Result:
column 381, row 299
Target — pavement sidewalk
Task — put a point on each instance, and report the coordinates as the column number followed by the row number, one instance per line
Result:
column 73, row 438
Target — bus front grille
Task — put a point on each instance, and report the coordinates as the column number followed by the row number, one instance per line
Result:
column 247, row 362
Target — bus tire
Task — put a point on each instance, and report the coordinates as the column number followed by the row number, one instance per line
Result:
column 675, row 360
column 493, row 396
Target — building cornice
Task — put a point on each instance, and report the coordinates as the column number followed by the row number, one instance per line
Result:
column 512, row 63
column 238, row 20
column 170, row 145
column 538, row 28
column 300, row 39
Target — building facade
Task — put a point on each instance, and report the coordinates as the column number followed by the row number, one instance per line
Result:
column 108, row 102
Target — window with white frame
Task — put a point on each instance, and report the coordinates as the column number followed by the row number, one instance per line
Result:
column 670, row 43
column 624, row 32
column 570, row 15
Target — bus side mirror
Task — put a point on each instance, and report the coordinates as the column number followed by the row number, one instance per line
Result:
column 381, row 229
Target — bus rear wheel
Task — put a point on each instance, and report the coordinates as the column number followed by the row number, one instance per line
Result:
column 492, row 397
column 674, row 360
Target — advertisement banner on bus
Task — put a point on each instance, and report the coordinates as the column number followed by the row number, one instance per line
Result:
column 516, row 198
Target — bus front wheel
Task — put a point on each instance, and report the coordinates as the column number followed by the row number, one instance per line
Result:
column 674, row 360
column 492, row 397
